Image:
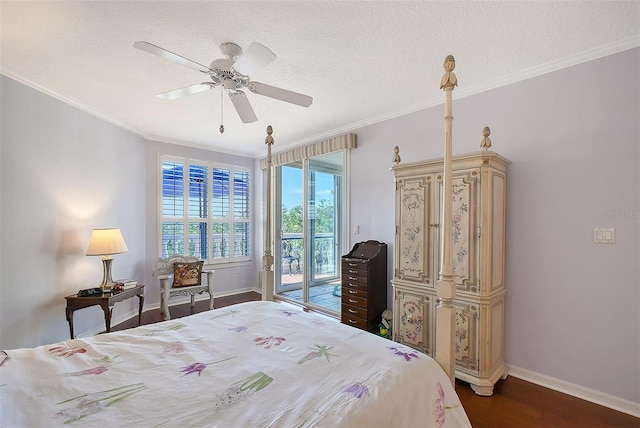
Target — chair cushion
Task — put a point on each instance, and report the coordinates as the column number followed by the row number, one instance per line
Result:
column 186, row 274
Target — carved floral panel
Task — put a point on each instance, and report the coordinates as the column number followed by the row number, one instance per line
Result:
column 414, row 260
column 460, row 230
column 466, row 325
column 413, row 313
column 463, row 242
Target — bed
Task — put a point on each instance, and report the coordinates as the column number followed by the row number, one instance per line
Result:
column 255, row 364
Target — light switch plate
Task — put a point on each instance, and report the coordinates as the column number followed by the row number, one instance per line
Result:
column 604, row 235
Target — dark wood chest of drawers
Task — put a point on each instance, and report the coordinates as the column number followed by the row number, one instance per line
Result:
column 364, row 285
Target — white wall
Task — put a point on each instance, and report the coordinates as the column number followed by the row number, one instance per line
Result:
column 574, row 141
column 63, row 173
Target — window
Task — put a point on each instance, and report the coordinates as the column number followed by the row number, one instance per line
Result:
column 205, row 211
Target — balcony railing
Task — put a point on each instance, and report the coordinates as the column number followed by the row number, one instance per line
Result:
column 325, row 259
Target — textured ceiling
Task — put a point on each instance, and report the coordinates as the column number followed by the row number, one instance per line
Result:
column 361, row 61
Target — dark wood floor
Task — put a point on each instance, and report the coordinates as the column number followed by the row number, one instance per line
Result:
column 518, row 403
column 515, row 402
column 178, row 311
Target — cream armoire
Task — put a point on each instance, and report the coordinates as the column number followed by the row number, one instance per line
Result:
column 478, row 253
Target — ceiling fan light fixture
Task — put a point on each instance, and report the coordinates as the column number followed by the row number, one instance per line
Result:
column 221, row 64
column 231, row 50
column 230, row 85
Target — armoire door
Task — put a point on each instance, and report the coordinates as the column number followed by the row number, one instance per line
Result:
column 413, row 261
column 465, row 228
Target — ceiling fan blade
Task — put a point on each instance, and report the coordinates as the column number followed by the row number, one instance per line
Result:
column 254, row 58
column 163, row 53
column 280, row 94
column 243, row 107
column 183, row 92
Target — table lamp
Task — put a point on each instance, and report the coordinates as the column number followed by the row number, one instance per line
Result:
column 105, row 242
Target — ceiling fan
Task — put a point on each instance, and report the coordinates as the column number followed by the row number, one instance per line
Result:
column 231, row 73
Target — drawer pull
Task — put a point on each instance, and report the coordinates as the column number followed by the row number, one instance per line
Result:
column 352, row 278
column 353, row 291
column 352, row 311
column 353, row 285
column 353, row 271
column 353, row 301
column 352, row 321
column 353, row 264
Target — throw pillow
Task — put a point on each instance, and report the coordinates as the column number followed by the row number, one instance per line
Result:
column 186, row 274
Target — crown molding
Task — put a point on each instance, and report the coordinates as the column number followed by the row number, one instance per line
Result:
column 74, row 103
column 569, row 61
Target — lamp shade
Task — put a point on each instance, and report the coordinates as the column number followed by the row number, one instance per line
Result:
column 106, row 241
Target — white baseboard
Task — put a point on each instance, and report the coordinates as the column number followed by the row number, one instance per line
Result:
column 597, row 397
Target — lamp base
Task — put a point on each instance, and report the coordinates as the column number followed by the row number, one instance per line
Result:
column 107, row 283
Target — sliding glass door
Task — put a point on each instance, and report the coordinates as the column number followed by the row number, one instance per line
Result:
column 309, row 228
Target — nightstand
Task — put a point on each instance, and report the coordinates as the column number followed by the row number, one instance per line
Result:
column 106, row 301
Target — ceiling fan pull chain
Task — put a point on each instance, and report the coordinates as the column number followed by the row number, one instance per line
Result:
column 221, row 116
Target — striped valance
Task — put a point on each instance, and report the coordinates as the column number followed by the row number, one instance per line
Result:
column 346, row 141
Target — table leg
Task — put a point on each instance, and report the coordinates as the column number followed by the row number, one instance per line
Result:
column 69, row 313
column 107, row 315
column 140, row 302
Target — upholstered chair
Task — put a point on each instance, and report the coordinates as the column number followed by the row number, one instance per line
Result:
column 182, row 276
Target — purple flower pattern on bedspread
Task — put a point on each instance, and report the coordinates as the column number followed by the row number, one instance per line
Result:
column 439, row 411
column 268, row 342
column 357, row 389
column 199, row 367
column 407, row 354
column 65, row 350
column 440, row 407
column 174, row 348
column 103, row 362
column 194, row 368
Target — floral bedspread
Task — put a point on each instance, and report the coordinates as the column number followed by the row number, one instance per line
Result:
column 255, row 364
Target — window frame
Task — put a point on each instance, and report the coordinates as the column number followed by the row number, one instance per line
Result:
column 210, row 219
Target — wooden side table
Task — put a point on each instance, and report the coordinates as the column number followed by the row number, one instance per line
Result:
column 106, row 301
